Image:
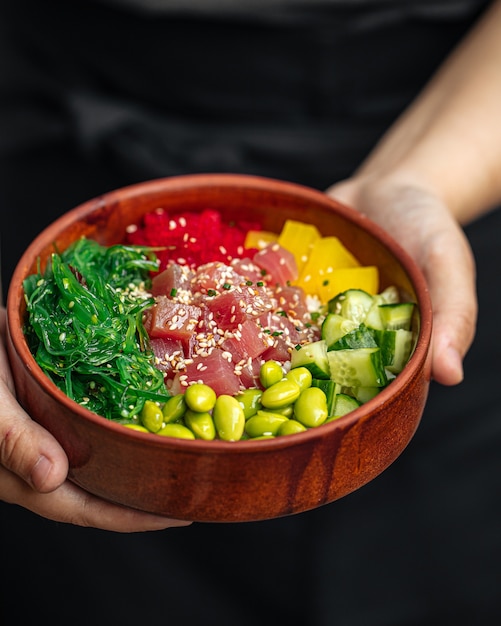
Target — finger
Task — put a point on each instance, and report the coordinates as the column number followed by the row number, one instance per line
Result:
column 72, row 505
column 450, row 272
column 27, row 449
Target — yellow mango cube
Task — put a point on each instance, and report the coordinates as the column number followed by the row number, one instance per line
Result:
column 298, row 237
column 364, row 277
column 259, row 239
column 327, row 255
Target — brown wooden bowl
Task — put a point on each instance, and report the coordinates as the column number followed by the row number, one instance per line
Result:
column 221, row 481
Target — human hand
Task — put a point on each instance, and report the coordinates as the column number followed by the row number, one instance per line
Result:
column 34, row 468
column 421, row 223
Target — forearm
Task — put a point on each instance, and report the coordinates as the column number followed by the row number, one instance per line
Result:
column 449, row 140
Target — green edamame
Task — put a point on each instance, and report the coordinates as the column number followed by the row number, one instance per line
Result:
column 176, row 430
column 287, row 405
column 174, row 408
column 229, row 418
column 286, row 411
column 151, row 416
column 264, row 423
column 137, row 427
column 280, row 394
column 311, row 407
column 250, row 401
column 291, row 427
column 200, row 397
column 270, row 373
column 200, row 424
column 301, row 376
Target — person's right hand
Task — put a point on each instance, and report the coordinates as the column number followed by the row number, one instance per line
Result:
column 34, row 468
column 421, row 223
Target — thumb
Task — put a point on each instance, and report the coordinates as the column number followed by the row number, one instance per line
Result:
column 27, row 449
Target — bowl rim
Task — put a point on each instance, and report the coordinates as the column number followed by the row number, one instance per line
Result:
column 179, row 183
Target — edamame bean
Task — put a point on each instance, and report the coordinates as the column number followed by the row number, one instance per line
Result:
column 229, row 418
column 311, row 407
column 270, row 373
column 151, row 416
column 137, row 427
column 201, row 424
column 176, row 430
column 200, row 397
column 286, row 411
column 250, row 401
column 174, row 408
column 291, row 427
column 280, row 394
column 264, row 423
column 301, row 376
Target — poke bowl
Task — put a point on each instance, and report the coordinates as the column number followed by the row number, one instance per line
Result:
column 254, row 474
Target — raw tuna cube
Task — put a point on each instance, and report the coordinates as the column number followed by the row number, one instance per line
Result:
column 169, row 319
column 247, row 269
column 215, row 370
column 166, row 351
column 227, row 309
column 216, row 276
column 292, row 300
column 171, row 281
column 280, row 351
column 279, row 264
column 278, row 325
column 249, row 341
column 249, row 373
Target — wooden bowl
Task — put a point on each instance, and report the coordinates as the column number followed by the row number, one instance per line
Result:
column 220, row 481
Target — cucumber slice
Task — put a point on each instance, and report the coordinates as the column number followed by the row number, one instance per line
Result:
column 389, row 295
column 397, row 315
column 362, row 367
column 331, row 390
column 364, row 394
column 360, row 337
column 352, row 304
column 345, row 404
column 313, row 356
column 373, row 318
column 334, row 327
column 396, row 347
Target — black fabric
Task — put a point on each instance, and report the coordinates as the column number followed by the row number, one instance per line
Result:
column 92, row 99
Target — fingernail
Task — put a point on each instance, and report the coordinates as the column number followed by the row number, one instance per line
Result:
column 40, row 472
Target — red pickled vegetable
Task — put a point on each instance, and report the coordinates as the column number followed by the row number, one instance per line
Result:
column 191, row 238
